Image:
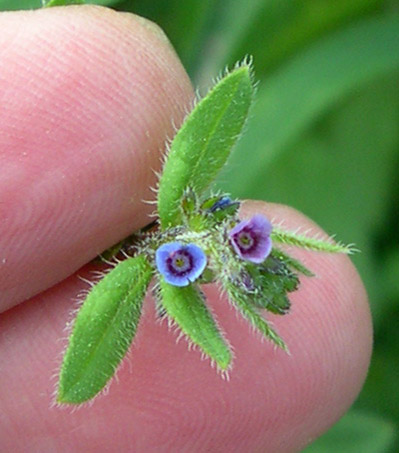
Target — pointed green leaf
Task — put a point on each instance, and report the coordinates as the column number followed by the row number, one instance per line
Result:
column 49, row 3
column 103, row 331
column 203, row 144
column 186, row 307
column 244, row 305
column 299, row 240
column 292, row 262
column 304, row 88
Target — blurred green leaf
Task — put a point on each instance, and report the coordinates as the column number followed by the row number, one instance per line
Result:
column 272, row 30
column 356, row 432
column 289, row 102
column 235, row 19
column 391, row 273
column 306, row 21
column 380, row 393
column 187, row 28
column 102, row 2
column 185, row 23
column 14, row 5
column 51, row 3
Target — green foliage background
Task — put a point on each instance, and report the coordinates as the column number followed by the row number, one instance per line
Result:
column 324, row 138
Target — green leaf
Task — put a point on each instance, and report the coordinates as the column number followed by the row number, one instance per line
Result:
column 273, row 298
column 185, row 23
column 50, row 3
column 298, row 240
column 271, row 281
column 291, row 262
column 390, row 273
column 380, row 393
column 292, row 25
column 102, row 2
column 240, row 29
column 15, row 5
column 356, row 432
column 241, row 300
column 186, row 307
column 281, row 27
column 203, row 144
column 307, row 86
column 103, row 331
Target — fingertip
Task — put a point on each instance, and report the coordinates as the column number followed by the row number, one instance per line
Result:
column 91, row 97
column 169, row 398
column 328, row 332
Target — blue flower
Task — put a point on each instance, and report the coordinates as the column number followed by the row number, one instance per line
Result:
column 222, row 203
column 180, row 264
column 251, row 238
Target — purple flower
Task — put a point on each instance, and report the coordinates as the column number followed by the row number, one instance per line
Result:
column 180, row 264
column 251, row 238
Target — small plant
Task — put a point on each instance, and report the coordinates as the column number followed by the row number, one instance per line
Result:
column 197, row 239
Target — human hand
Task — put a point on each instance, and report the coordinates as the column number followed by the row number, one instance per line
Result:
column 88, row 98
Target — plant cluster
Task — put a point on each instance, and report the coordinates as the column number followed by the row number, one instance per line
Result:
column 197, row 239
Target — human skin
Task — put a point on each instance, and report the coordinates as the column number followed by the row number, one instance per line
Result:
column 88, row 97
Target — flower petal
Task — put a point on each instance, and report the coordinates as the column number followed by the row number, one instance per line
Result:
column 180, row 264
column 251, row 238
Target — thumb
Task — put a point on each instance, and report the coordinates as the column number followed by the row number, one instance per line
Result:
column 89, row 97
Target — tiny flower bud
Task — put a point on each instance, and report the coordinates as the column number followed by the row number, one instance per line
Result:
column 220, row 207
column 180, row 264
column 221, row 203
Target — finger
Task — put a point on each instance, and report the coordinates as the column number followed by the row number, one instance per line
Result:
column 89, row 97
column 167, row 399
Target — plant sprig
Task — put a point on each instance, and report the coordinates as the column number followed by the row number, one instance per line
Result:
column 197, row 239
